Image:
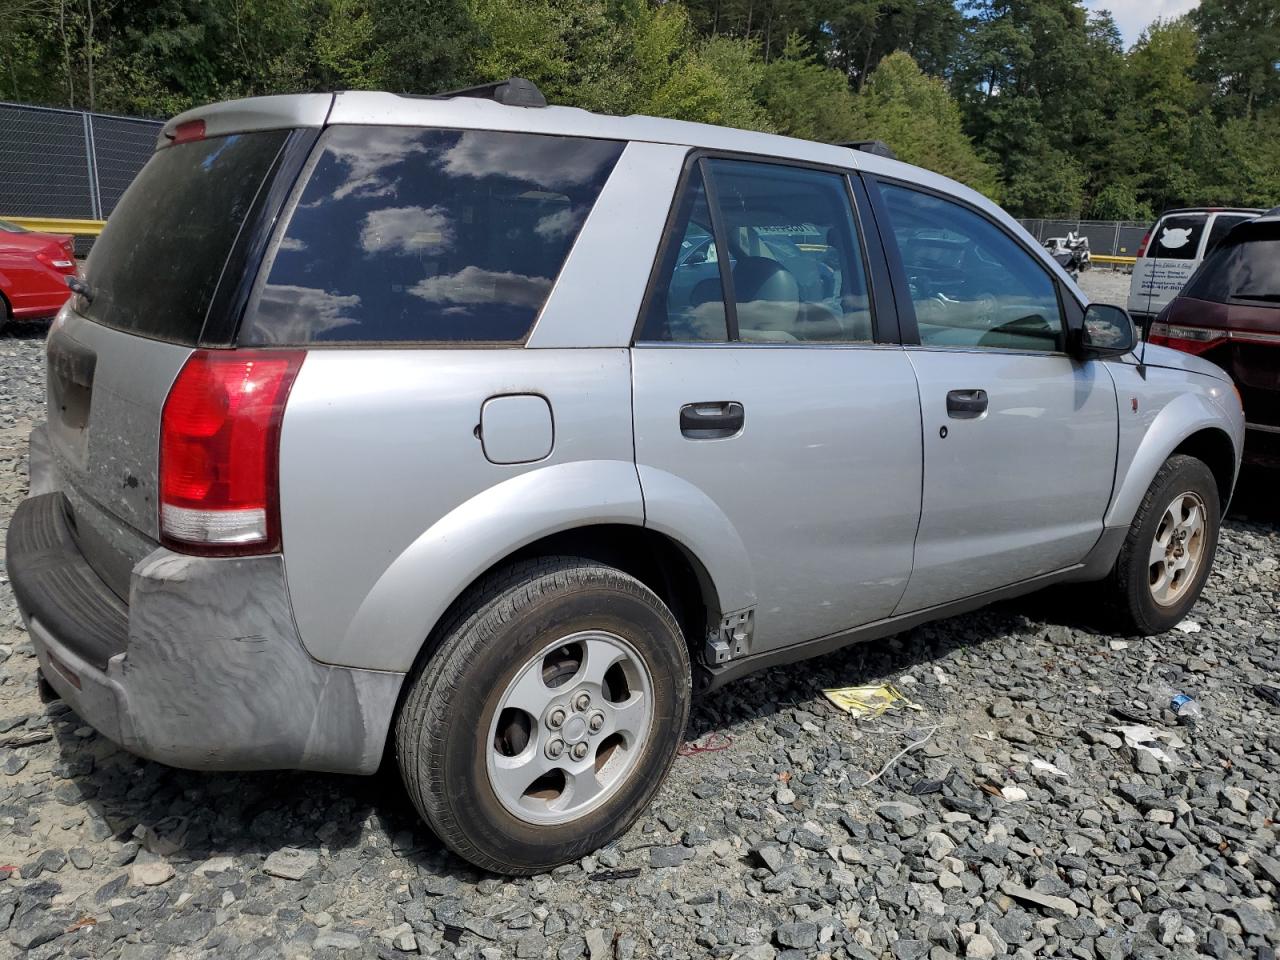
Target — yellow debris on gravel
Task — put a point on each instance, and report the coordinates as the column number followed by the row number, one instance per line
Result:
column 869, row 701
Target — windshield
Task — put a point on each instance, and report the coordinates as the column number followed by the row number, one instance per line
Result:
column 156, row 266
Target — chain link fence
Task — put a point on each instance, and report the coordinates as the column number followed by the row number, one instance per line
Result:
column 1113, row 238
column 69, row 164
column 76, row 165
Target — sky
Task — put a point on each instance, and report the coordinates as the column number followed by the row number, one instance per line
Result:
column 1132, row 16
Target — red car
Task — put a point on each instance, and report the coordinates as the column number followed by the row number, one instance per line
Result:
column 1229, row 312
column 33, row 272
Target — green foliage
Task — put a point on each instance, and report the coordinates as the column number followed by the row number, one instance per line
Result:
column 1033, row 101
column 917, row 117
column 1119, row 201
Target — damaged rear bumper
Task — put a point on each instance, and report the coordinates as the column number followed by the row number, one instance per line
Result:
column 202, row 668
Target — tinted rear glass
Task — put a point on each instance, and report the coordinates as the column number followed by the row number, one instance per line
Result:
column 1245, row 269
column 1177, row 237
column 156, row 266
column 1222, row 225
column 413, row 235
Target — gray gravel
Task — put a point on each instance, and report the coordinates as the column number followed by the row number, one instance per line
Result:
column 1106, row 285
column 1023, row 826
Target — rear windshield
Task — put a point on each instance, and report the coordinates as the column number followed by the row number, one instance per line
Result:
column 413, row 235
column 1177, row 237
column 156, row 266
column 1244, row 269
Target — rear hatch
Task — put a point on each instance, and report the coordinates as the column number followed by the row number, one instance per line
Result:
column 170, row 272
column 1168, row 260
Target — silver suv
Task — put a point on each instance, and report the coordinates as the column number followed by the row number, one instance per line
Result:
column 493, row 432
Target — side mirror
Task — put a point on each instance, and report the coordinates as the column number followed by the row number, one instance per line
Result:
column 1107, row 331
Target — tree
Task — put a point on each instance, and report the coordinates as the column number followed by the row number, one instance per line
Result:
column 1239, row 53
column 916, row 116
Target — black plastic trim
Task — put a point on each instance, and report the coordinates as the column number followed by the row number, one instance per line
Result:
column 55, row 585
column 240, row 272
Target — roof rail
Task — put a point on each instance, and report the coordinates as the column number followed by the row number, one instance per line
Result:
column 878, row 147
column 514, row 92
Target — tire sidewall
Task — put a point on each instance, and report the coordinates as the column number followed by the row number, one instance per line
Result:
column 1187, row 475
column 494, row 662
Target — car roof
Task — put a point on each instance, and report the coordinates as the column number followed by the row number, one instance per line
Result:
column 468, row 112
column 479, row 113
column 1206, row 210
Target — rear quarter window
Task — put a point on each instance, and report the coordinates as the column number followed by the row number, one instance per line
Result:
column 1177, row 237
column 425, row 235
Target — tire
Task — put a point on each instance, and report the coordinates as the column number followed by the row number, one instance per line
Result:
column 507, row 637
column 1135, row 583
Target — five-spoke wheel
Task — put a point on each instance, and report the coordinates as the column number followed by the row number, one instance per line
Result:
column 569, row 727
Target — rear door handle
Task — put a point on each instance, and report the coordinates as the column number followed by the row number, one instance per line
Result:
column 966, row 404
column 711, row 420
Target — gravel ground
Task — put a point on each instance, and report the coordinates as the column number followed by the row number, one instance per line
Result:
column 1106, row 285
column 1023, row 825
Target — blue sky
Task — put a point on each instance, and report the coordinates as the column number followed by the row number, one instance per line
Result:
column 1132, row 16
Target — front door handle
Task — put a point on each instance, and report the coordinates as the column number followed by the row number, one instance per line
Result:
column 966, row 404
column 711, row 420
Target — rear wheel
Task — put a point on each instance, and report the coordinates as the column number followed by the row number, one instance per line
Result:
column 6, row 313
column 547, row 719
column 1166, row 557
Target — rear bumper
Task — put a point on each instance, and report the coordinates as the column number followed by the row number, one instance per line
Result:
column 202, row 668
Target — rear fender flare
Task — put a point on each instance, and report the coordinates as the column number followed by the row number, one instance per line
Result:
column 398, row 614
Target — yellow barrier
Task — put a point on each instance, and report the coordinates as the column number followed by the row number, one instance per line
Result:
column 1107, row 258
column 78, row 228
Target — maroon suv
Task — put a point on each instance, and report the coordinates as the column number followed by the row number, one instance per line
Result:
column 1229, row 312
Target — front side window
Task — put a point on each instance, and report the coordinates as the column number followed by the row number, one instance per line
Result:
column 794, row 260
column 971, row 284
column 418, row 235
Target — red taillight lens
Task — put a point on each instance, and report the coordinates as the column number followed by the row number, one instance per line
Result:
column 1142, row 247
column 219, row 451
column 1184, row 338
column 186, row 132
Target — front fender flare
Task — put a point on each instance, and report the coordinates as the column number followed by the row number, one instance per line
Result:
column 1184, row 416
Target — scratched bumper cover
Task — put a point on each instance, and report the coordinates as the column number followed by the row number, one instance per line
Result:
column 202, row 668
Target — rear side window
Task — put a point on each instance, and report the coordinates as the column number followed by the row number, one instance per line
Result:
column 792, row 259
column 157, row 264
column 1243, row 270
column 1222, row 225
column 414, row 235
column 1177, row 237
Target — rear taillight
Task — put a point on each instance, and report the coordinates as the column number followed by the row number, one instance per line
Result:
column 1184, row 338
column 61, row 263
column 1142, row 247
column 219, row 451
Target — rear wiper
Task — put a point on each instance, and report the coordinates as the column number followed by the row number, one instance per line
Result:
column 82, row 287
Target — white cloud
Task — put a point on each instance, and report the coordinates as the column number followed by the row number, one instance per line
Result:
column 290, row 314
column 472, row 285
column 559, row 224
column 547, row 162
column 407, row 230
column 1134, row 16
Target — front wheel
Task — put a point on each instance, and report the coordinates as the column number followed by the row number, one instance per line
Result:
column 1166, row 557
column 548, row 717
